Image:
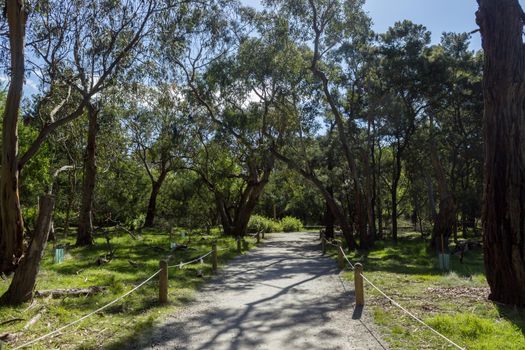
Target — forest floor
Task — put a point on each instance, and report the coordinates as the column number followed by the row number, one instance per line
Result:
column 454, row 303
column 135, row 260
column 283, row 295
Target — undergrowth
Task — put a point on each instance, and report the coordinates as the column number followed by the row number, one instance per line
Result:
column 455, row 303
column 134, row 261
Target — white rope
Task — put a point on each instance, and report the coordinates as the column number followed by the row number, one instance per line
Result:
column 180, row 265
column 346, row 258
column 411, row 314
column 401, row 307
column 88, row 315
column 109, row 304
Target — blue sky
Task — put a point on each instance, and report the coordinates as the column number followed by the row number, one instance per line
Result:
column 437, row 15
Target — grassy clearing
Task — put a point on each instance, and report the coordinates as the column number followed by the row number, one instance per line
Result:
column 121, row 322
column 454, row 303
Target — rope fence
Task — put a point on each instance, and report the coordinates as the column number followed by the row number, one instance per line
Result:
column 162, row 272
column 359, row 276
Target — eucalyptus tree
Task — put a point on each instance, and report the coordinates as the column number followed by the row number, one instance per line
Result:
column 75, row 44
column 284, row 87
column 337, row 31
column 454, row 115
column 156, row 123
column 501, row 25
column 404, row 74
column 231, row 118
column 11, row 242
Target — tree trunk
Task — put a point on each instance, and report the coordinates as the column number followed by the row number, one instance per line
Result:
column 68, row 213
column 152, row 203
column 379, row 202
column 369, row 175
column 360, row 212
column 85, row 219
column 501, row 24
column 11, row 238
column 393, row 195
column 328, row 219
column 445, row 220
column 244, row 212
column 23, row 283
column 226, row 220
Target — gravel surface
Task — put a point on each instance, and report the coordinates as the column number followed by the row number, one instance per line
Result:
column 282, row 295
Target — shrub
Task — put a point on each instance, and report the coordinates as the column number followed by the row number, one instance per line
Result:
column 257, row 223
column 291, row 224
column 260, row 223
column 274, row 226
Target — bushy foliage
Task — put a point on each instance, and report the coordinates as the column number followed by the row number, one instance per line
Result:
column 291, row 224
column 259, row 223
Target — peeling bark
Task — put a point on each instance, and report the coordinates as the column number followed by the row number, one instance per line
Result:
column 501, row 24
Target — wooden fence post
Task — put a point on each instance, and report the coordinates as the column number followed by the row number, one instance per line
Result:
column 340, row 257
column 258, row 237
column 358, row 284
column 163, row 282
column 214, row 256
column 323, row 243
column 239, row 249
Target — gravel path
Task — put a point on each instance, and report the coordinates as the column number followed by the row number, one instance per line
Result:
column 282, row 295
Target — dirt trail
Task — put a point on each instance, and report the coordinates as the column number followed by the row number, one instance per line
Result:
column 282, row 295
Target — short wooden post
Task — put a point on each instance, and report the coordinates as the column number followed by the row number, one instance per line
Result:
column 239, row 248
column 323, row 243
column 340, row 257
column 258, row 237
column 358, row 284
column 262, row 234
column 214, row 256
column 163, row 282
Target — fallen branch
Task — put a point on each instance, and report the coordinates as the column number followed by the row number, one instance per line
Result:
column 71, row 292
column 12, row 320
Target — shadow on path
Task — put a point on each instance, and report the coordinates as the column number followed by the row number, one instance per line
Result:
column 283, row 295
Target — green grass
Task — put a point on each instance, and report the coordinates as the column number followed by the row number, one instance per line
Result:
column 122, row 321
column 454, row 303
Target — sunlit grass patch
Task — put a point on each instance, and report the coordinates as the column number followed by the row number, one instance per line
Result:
column 134, row 261
column 455, row 303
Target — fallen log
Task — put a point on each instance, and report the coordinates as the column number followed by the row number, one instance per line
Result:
column 71, row 292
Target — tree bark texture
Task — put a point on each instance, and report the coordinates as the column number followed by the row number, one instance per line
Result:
column 396, row 176
column 501, row 24
column 152, row 203
column 329, row 219
column 85, row 217
column 23, row 283
column 12, row 227
column 446, row 218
